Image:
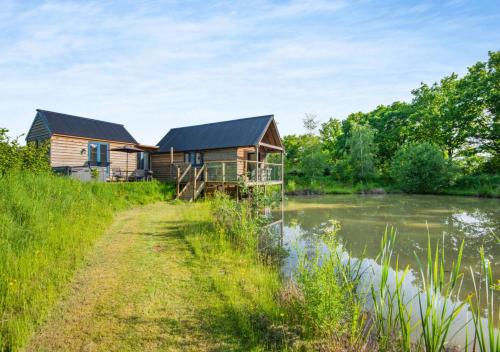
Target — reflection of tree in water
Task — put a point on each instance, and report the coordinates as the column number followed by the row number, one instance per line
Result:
column 364, row 219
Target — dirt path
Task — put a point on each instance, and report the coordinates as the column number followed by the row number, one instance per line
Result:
column 140, row 291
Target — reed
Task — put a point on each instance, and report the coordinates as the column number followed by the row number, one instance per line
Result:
column 437, row 302
column 486, row 337
column 383, row 296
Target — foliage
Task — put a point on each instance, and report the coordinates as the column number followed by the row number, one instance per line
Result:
column 329, row 133
column 419, row 168
column 47, row 226
column 460, row 115
column 361, row 153
column 486, row 336
column 313, row 161
column 13, row 156
column 328, row 303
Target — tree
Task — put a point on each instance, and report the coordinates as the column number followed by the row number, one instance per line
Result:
column 329, row 134
column 490, row 135
column 293, row 147
column 357, row 118
column 361, row 152
column 311, row 123
column 313, row 160
column 449, row 114
column 419, row 168
column 390, row 123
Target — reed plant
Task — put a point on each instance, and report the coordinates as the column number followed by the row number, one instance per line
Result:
column 438, row 302
column 486, row 336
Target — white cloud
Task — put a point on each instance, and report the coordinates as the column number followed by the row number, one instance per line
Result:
column 153, row 66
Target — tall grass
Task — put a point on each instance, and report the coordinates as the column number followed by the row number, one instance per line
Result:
column 438, row 303
column 47, row 225
column 485, row 336
column 323, row 307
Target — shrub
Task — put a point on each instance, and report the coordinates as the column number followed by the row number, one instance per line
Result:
column 420, row 168
column 13, row 156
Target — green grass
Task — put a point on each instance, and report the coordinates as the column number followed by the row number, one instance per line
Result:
column 328, row 185
column 477, row 186
column 47, row 226
column 162, row 278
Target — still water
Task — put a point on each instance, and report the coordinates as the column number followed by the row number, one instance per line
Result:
column 363, row 220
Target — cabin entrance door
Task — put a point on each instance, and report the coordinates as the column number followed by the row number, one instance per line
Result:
column 194, row 158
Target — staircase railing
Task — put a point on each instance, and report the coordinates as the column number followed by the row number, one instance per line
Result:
column 197, row 174
column 180, row 177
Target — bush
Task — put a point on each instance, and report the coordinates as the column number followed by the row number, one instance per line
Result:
column 420, row 168
column 13, row 156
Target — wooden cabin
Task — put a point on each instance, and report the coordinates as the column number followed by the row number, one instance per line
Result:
column 79, row 144
column 220, row 156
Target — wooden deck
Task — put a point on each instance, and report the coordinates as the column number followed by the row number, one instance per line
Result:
column 193, row 181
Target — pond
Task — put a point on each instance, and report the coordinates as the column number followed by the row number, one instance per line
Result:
column 364, row 218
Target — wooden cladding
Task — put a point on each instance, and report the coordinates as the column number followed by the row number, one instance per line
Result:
column 73, row 151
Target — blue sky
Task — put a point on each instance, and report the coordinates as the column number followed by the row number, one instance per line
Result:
column 154, row 65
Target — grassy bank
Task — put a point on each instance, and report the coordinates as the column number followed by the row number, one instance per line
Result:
column 476, row 186
column 47, row 226
column 164, row 278
column 327, row 185
column 206, row 276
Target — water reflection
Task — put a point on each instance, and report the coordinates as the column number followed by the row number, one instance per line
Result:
column 364, row 219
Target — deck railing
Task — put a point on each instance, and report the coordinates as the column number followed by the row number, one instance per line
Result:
column 263, row 171
column 230, row 171
column 222, row 171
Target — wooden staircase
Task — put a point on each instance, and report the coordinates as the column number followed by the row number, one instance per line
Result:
column 190, row 183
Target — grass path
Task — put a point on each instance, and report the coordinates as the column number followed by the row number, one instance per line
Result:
column 143, row 289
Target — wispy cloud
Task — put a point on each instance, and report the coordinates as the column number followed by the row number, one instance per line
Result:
column 157, row 65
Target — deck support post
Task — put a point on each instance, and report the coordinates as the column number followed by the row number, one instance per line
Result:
column 282, row 177
column 257, row 164
column 178, row 180
column 194, row 183
column 223, row 177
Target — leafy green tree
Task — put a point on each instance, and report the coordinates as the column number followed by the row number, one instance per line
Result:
column 293, row 147
column 357, row 118
column 420, row 168
column 313, row 160
column 329, row 134
column 390, row 123
column 449, row 114
column 361, row 153
column 490, row 135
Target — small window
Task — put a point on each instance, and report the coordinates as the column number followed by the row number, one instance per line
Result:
column 199, row 158
column 93, row 153
column 193, row 158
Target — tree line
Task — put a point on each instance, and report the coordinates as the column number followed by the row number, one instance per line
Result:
column 449, row 129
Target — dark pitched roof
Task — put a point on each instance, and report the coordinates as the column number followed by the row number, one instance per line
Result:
column 226, row 134
column 84, row 127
